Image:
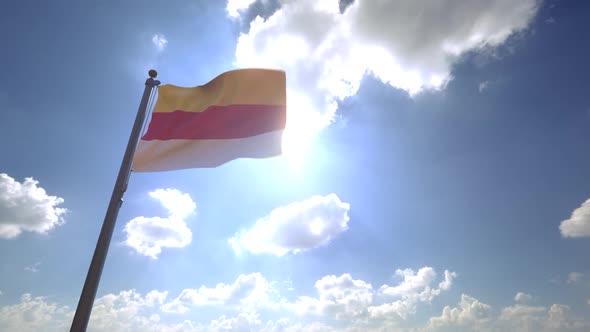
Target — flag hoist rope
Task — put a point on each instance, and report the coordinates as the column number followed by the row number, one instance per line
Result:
column 86, row 301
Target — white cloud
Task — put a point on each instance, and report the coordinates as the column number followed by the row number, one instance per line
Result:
column 473, row 315
column 414, row 288
column 339, row 297
column 247, row 291
column 412, row 282
column 529, row 318
column 574, row 277
column 410, row 45
column 159, row 41
column 33, row 314
column 448, row 280
column 127, row 311
column 148, row 235
column 33, row 267
column 483, row 86
column 25, row 207
column 343, row 304
column 522, row 297
column 520, row 314
column 418, row 284
column 347, row 299
column 179, row 205
column 578, row 224
column 234, row 7
column 470, row 312
column 296, row 227
column 242, row 322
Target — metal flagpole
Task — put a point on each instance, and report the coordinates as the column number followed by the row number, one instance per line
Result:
column 86, row 301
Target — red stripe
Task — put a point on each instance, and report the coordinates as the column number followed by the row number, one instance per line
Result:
column 217, row 122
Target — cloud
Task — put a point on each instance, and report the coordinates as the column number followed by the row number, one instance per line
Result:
column 528, row 318
column 25, row 207
column 339, row 297
column 160, row 41
column 179, row 205
column 241, row 322
column 33, row 314
column 342, row 304
column 469, row 312
column 418, row 284
column 353, row 300
column 578, row 225
column 248, row 290
column 574, row 277
column 235, row 7
column 484, row 86
column 522, row 297
column 148, row 235
column 412, row 282
column 296, row 227
column 33, row 268
column 410, row 45
column 473, row 315
column 128, row 311
column 415, row 287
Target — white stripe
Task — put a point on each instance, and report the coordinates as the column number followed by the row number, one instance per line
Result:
column 155, row 156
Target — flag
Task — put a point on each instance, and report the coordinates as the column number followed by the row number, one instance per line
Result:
column 239, row 114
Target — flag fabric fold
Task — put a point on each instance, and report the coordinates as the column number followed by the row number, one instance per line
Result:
column 239, row 114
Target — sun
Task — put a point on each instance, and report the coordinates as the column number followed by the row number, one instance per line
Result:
column 303, row 125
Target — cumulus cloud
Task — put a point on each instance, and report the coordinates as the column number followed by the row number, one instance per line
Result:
column 469, row 312
column 522, row 297
column 25, row 207
column 410, row 45
column 148, row 235
column 578, row 225
column 354, row 300
column 246, row 291
column 418, row 284
column 127, row 311
column 235, row 7
column 473, row 315
column 339, row 297
column 160, row 41
column 296, row 227
column 415, row 287
column 343, row 304
column 33, row 314
column 557, row 317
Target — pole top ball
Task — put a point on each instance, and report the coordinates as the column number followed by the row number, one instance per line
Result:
column 153, row 73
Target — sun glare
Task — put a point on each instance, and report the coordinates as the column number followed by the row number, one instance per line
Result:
column 303, row 124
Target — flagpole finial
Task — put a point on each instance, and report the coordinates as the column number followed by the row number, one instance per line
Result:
column 153, row 73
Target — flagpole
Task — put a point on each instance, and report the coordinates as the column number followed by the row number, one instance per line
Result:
column 82, row 316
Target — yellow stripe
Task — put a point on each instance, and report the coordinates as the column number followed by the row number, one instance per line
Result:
column 242, row 86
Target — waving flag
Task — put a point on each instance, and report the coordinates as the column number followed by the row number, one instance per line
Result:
column 239, row 114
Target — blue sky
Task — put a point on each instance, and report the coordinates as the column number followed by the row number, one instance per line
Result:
column 438, row 147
